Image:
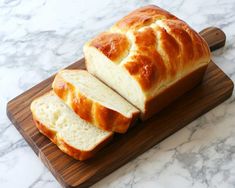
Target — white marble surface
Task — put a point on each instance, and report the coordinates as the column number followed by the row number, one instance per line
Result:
column 38, row 37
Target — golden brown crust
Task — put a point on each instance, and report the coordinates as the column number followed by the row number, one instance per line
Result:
column 162, row 47
column 147, row 65
column 174, row 91
column 113, row 45
column 51, row 134
column 81, row 105
column 143, row 16
column 65, row 147
column 90, row 110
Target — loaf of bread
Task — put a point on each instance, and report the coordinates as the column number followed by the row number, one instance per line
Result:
column 63, row 127
column 94, row 101
column 150, row 57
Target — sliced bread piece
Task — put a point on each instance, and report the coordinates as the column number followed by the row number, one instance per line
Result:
column 68, row 131
column 94, row 101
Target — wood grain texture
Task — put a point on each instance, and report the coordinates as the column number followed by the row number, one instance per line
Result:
column 214, row 89
column 214, row 37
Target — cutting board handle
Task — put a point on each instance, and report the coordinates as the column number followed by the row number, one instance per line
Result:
column 214, row 37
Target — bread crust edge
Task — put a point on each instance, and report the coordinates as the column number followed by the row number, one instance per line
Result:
column 65, row 147
column 170, row 94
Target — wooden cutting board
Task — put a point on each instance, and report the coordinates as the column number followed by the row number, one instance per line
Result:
column 214, row 89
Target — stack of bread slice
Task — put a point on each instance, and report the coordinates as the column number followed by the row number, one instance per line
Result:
column 149, row 57
column 81, row 113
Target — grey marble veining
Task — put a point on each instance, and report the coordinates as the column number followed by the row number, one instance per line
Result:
column 39, row 37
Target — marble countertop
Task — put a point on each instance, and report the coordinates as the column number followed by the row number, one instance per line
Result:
column 38, row 37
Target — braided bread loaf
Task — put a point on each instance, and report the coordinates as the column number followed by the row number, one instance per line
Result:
column 150, row 57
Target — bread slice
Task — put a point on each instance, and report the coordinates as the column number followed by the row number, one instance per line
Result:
column 68, row 131
column 94, row 101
